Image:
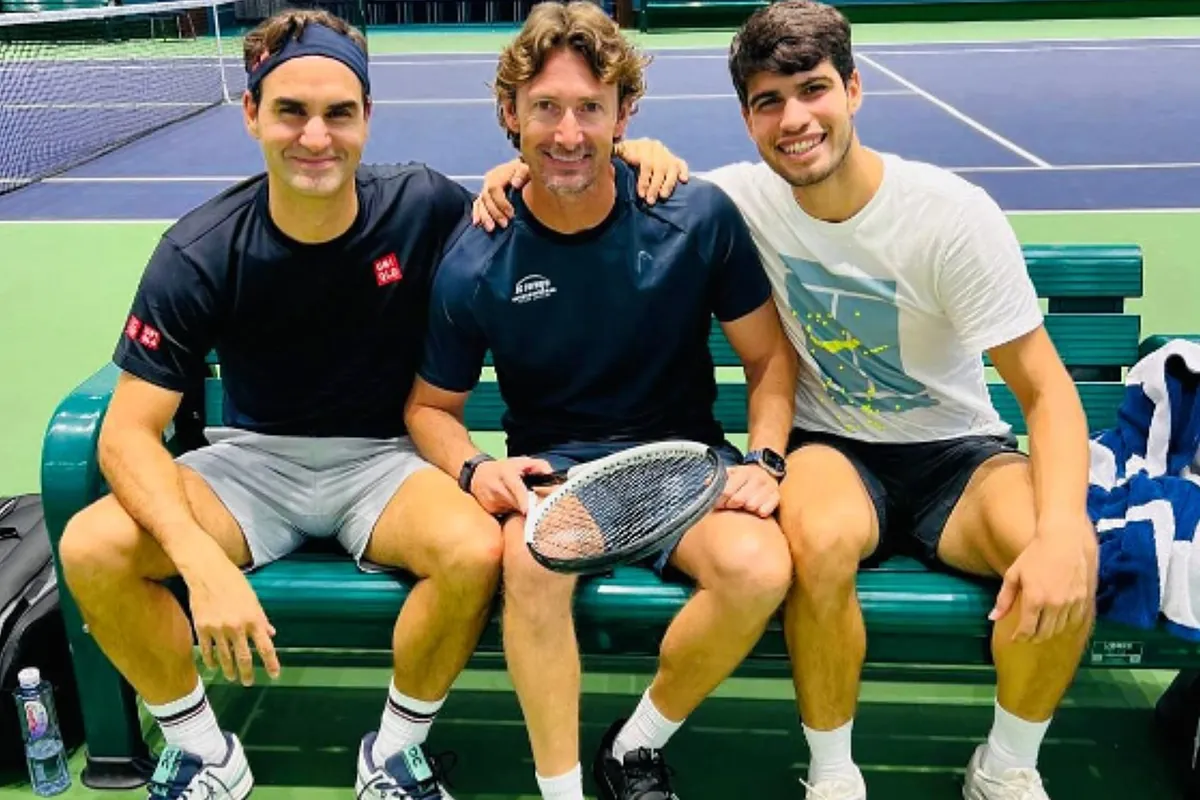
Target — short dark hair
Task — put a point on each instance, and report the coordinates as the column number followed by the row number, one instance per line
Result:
column 270, row 35
column 787, row 37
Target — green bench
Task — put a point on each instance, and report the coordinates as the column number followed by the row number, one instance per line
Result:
column 913, row 615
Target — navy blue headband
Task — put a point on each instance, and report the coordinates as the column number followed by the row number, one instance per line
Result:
column 316, row 40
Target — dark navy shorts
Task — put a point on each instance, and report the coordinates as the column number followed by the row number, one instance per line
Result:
column 914, row 486
column 565, row 456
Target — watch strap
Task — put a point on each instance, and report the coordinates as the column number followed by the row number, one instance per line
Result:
column 467, row 473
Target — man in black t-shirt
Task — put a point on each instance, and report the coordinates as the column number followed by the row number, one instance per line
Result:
column 311, row 283
column 596, row 308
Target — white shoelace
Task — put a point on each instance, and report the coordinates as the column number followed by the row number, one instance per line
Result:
column 1017, row 784
column 835, row 789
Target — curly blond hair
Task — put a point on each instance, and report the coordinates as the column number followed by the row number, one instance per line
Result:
column 579, row 25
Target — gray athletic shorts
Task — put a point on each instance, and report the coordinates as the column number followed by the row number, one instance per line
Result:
column 284, row 489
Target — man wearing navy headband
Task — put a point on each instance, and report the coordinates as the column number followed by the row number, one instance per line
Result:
column 311, row 283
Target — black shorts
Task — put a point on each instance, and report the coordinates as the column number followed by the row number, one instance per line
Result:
column 914, row 486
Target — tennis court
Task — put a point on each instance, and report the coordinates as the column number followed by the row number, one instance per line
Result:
column 1081, row 136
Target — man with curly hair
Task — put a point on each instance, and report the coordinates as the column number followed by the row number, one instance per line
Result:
column 596, row 308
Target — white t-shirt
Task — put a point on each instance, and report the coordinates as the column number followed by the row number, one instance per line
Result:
column 893, row 309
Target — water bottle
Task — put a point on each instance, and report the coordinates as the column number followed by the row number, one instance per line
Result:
column 44, row 751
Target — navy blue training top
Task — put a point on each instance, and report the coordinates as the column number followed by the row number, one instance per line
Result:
column 600, row 335
column 313, row 340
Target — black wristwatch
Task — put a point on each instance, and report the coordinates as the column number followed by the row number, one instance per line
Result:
column 768, row 459
column 467, row 473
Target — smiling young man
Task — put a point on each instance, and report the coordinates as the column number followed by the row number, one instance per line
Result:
column 596, row 308
column 311, row 282
column 894, row 278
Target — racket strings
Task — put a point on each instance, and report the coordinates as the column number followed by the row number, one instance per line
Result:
column 628, row 504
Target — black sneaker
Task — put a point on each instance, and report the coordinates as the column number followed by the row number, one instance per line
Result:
column 642, row 775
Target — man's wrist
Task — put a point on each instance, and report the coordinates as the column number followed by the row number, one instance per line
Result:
column 466, row 473
column 769, row 460
column 1056, row 523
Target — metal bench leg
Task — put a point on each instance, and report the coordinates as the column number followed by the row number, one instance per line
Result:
column 117, row 756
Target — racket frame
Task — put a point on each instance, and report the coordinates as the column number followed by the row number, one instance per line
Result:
column 664, row 539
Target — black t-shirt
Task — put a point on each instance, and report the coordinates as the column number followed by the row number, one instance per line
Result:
column 601, row 335
column 313, row 340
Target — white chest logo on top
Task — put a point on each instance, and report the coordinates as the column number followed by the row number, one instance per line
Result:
column 532, row 287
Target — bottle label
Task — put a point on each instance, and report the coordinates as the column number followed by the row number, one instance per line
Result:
column 37, row 721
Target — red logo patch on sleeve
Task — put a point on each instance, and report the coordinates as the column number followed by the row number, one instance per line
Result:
column 133, row 327
column 387, row 270
column 150, row 338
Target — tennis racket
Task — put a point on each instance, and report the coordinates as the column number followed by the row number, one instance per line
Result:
column 622, row 507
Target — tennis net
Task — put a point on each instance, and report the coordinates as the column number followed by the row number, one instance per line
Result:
column 76, row 84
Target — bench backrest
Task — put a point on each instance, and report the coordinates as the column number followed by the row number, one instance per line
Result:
column 1085, row 287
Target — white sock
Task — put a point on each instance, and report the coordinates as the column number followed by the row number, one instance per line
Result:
column 406, row 723
column 568, row 786
column 190, row 725
column 646, row 728
column 830, row 753
column 1013, row 743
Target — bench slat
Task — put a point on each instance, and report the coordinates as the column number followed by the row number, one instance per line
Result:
column 913, row 615
column 1100, row 403
column 485, row 406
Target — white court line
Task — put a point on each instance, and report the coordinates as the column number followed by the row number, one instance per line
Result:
column 1012, row 212
column 413, row 101
column 118, row 179
column 710, row 51
column 1036, row 49
column 451, row 101
column 954, row 112
column 101, row 106
column 492, row 62
column 1083, row 167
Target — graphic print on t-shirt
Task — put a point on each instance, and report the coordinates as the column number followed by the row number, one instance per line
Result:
column 852, row 327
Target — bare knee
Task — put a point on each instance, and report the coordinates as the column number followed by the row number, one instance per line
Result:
column 826, row 549
column 472, row 553
column 99, row 540
column 101, row 545
column 532, row 591
column 750, row 565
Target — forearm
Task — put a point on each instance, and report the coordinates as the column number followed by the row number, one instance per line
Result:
column 441, row 437
column 148, row 484
column 771, row 385
column 1058, row 450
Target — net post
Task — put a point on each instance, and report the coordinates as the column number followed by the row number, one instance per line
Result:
column 216, row 15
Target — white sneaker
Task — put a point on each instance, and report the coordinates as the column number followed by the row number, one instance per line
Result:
column 408, row 775
column 1016, row 784
column 836, row 789
column 183, row 776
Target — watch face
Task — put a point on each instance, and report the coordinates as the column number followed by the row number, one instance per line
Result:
column 774, row 461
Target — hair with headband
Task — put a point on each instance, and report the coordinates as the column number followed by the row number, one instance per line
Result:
column 303, row 34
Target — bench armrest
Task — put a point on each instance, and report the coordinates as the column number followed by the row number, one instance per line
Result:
column 71, row 478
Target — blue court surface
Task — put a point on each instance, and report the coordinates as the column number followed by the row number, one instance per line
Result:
column 1043, row 126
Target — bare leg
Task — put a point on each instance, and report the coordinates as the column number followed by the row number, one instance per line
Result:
column 113, row 569
column 542, row 653
column 992, row 523
column 831, row 525
column 741, row 566
column 440, row 534
column 990, row 526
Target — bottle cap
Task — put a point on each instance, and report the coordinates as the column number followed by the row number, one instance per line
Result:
column 29, row 677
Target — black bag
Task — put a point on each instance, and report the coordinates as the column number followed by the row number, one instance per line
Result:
column 32, row 632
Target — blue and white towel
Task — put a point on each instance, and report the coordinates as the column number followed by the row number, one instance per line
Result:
column 1144, row 496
